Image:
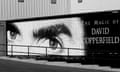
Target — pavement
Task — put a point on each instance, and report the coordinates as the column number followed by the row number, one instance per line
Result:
column 8, row 64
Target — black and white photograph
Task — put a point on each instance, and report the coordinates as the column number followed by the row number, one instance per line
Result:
column 59, row 36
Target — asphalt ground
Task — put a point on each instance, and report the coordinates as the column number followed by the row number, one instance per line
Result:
column 17, row 66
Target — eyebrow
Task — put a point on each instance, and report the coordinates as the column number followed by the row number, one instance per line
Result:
column 12, row 27
column 52, row 31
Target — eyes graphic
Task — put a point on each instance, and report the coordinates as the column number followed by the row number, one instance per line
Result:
column 12, row 32
column 12, row 36
column 50, row 36
column 54, row 42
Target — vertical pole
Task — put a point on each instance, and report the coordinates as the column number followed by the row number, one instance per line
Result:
column 11, row 50
column 68, row 52
column 46, row 51
column 28, row 51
